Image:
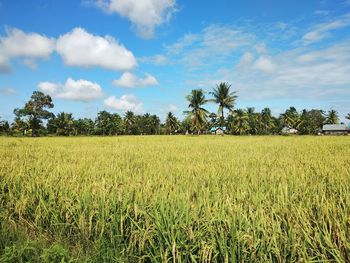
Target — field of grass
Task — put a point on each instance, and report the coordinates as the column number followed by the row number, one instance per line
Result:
column 175, row 199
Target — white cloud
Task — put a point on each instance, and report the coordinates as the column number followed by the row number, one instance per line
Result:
column 146, row 15
column 129, row 80
column 156, row 59
column 30, row 63
column 212, row 45
column 172, row 108
column 264, row 64
column 182, row 43
column 323, row 30
column 29, row 46
column 298, row 73
column 4, row 63
column 127, row 102
column 246, row 60
column 80, row 48
column 78, row 90
column 261, row 48
column 8, row 92
column 33, row 45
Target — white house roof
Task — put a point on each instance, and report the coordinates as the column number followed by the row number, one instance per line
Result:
column 213, row 129
column 334, row 127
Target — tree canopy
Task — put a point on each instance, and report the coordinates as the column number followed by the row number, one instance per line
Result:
column 248, row 121
column 36, row 110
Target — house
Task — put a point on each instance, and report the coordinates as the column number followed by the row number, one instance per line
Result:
column 289, row 130
column 218, row 130
column 335, row 129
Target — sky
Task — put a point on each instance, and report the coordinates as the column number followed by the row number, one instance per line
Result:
column 147, row 55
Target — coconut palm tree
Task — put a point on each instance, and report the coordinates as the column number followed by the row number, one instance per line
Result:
column 129, row 120
column 64, row 123
column 332, row 117
column 171, row 123
column 239, row 122
column 267, row 120
column 291, row 118
column 225, row 98
column 197, row 115
column 213, row 119
column 254, row 120
column 348, row 116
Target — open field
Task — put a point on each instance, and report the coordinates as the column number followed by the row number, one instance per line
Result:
column 175, row 199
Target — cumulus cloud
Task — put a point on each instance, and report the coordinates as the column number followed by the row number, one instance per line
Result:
column 78, row 90
column 146, row 15
column 127, row 102
column 80, row 48
column 19, row 43
column 129, row 80
column 29, row 46
column 323, row 30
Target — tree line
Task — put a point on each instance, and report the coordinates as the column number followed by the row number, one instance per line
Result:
column 35, row 119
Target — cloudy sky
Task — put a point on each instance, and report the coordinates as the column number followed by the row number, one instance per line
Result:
column 147, row 55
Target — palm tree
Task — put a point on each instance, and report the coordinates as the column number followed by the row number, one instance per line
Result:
column 213, row 119
column 267, row 120
column 20, row 125
column 291, row 118
column 254, row 120
column 348, row 116
column 332, row 117
column 64, row 123
column 129, row 120
column 155, row 124
column 197, row 115
column 239, row 122
column 224, row 98
column 171, row 123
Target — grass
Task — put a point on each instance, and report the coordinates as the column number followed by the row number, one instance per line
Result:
column 175, row 199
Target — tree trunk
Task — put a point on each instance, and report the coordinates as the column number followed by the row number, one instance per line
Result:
column 222, row 117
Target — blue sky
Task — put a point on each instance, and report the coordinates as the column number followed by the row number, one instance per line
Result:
column 147, row 55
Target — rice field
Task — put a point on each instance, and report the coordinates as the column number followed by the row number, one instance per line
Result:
column 175, row 199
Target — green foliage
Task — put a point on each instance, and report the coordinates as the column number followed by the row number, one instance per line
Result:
column 108, row 124
column 35, row 110
column 171, row 123
column 332, row 117
column 311, row 121
column 225, row 98
column 197, row 115
column 30, row 251
column 291, row 118
column 55, row 254
column 238, row 122
column 4, row 127
column 20, row 253
column 84, row 126
column 62, row 124
column 175, row 199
